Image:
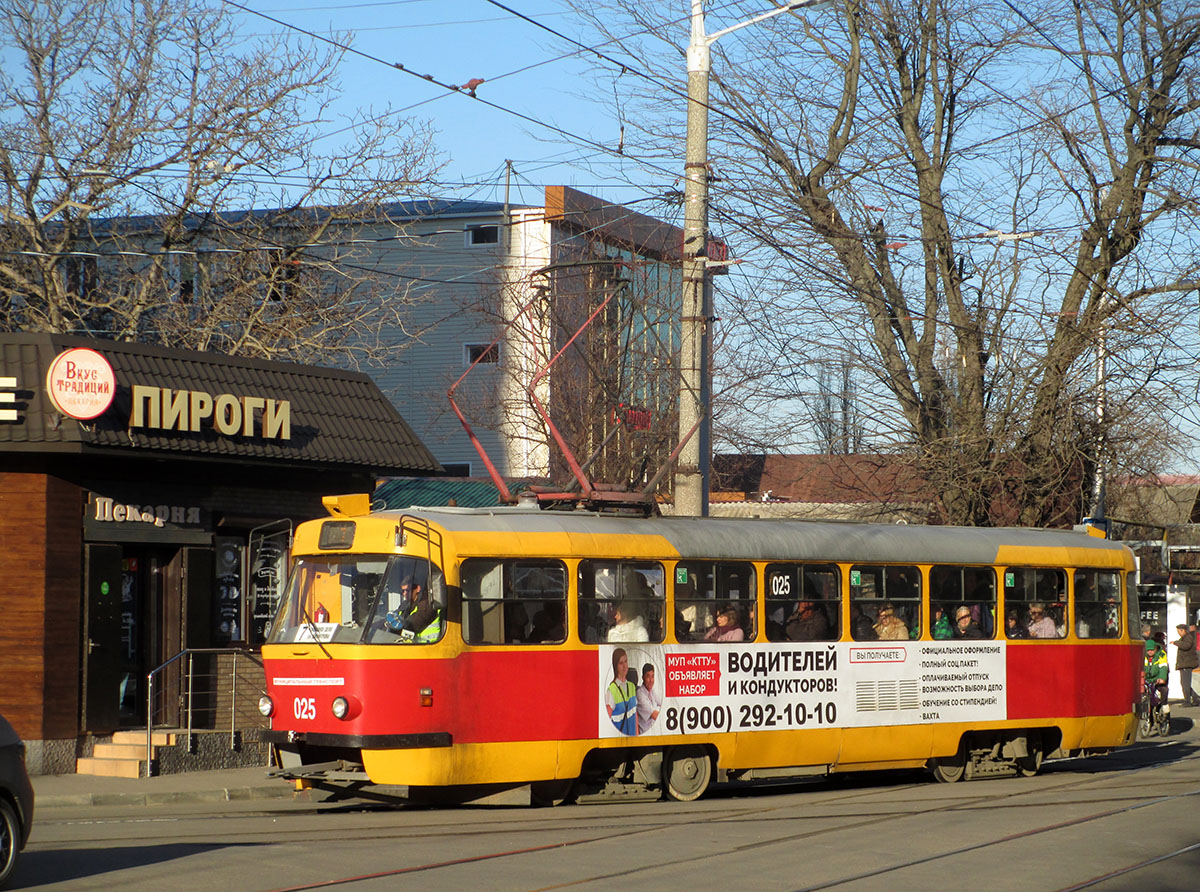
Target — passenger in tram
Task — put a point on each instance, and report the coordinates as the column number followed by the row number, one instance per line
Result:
column 628, row 623
column 621, row 697
column 728, row 625
column 860, row 625
column 649, row 700
column 888, row 626
column 548, row 625
column 808, row 623
column 1041, row 624
column 965, row 625
column 940, row 629
column 1013, row 627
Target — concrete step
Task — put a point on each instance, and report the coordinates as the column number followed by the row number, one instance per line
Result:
column 110, row 767
column 121, row 750
column 158, row 738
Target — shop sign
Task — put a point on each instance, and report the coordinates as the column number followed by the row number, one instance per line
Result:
column 162, row 408
column 81, row 384
column 102, row 509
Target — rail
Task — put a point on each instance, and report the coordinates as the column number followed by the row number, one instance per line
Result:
column 200, row 694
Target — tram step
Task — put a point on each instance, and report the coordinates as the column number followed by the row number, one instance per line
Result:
column 158, row 738
column 109, row 767
column 133, row 751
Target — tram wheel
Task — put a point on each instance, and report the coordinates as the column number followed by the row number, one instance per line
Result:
column 951, row 769
column 1030, row 765
column 687, row 772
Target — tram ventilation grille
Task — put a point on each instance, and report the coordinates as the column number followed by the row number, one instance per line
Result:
column 887, row 695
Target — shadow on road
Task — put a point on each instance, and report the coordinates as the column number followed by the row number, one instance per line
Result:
column 64, row 865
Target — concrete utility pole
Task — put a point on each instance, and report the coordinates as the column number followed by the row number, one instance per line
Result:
column 695, row 391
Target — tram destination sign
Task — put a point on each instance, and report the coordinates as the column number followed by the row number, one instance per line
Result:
column 684, row 689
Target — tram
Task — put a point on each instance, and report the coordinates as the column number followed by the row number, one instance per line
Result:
column 582, row 652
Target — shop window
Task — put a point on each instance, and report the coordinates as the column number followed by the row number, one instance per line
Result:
column 804, row 602
column 1097, row 604
column 885, row 603
column 620, row 601
column 514, row 601
column 962, row 602
column 714, row 602
column 1035, row 603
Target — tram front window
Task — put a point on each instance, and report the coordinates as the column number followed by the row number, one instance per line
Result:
column 373, row 599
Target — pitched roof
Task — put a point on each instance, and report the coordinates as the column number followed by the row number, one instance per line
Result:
column 831, row 479
column 339, row 419
column 404, row 492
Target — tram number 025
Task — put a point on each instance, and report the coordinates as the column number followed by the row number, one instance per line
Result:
column 699, row 718
column 305, row 708
column 768, row 715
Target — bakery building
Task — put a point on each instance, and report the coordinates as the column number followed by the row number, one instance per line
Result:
column 147, row 500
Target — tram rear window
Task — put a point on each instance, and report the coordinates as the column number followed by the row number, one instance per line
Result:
column 714, row 602
column 514, row 601
column 1097, row 604
column 804, row 602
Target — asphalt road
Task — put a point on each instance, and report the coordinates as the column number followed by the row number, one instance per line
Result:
column 1130, row 820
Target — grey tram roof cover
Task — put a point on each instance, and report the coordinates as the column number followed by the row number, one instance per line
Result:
column 339, row 419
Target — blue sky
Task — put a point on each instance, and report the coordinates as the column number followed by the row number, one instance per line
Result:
column 524, row 68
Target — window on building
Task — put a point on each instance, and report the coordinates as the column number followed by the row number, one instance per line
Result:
column 484, row 354
column 483, row 235
column 283, row 274
column 1097, row 604
column 885, row 603
column 457, row 469
column 804, row 602
column 620, row 601
column 714, row 601
column 514, row 601
column 82, row 277
column 1035, row 603
column 962, row 602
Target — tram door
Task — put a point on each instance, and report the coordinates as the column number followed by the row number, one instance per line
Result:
column 102, row 673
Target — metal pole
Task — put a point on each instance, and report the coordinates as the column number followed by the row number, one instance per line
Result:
column 189, row 703
column 149, row 720
column 691, row 474
column 233, row 705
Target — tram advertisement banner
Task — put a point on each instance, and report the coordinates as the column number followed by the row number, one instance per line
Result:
column 690, row 689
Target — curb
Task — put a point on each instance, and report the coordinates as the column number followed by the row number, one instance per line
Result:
column 230, row 794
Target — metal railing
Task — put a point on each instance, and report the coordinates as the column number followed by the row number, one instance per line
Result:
column 199, row 695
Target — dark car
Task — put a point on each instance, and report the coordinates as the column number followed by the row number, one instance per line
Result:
column 16, row 799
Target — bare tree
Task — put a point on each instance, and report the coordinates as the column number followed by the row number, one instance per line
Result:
column 976, row 200
column 168, row 180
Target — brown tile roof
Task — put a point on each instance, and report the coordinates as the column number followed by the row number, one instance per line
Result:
column 830, row 479
column 339, row 419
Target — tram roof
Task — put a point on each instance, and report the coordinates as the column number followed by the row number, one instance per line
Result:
column 726, row 538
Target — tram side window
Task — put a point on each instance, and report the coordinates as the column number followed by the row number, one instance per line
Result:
column 403, row 606
column 803, row 602
column 962, row 602
column 714, row 601
column 1097, row 604
column 620, row 601
column 885, row 603
column 1035, row 603
column 514, row 601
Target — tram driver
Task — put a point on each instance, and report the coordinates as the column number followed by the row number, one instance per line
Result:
column 417, row 619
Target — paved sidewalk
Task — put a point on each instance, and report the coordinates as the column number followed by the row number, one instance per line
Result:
column 71, row 790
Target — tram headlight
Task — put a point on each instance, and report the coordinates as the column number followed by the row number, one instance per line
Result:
column 341, row 707
column 265, row 705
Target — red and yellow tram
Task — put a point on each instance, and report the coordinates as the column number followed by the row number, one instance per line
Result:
column 610, row 653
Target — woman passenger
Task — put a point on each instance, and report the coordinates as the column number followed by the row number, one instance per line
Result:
column 727, row 627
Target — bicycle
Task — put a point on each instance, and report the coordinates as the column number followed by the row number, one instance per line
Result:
column 1155, row 714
